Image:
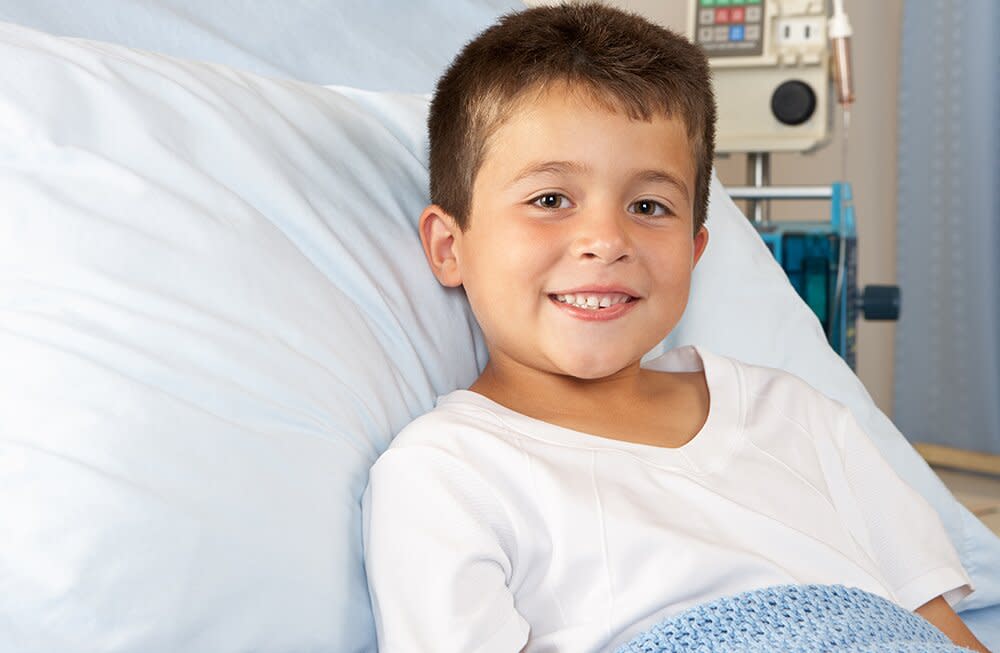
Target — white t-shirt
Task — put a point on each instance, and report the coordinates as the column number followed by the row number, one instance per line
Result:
column 490, row 531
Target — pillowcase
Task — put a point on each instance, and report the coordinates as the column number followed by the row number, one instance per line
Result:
column 216, row 314
column 379, row 46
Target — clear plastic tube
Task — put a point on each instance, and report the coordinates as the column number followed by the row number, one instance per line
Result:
column 842, row 70
column 840, row 38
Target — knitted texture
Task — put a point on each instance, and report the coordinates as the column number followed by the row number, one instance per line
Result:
column 794, row 619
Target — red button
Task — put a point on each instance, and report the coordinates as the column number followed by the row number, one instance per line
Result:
column 721, row 16
column 736, row 14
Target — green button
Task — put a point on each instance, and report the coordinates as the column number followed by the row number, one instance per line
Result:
column 721, row 3
column 707, row 3
column 752, row 2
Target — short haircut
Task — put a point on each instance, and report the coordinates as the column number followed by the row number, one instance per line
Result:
column 626, row 62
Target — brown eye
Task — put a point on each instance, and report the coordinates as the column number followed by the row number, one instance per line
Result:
column 649, row 208
column 550, row 201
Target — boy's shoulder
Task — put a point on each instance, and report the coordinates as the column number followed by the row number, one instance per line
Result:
column 754, row 380
column 458, row 425
column 458, row 448
column 782, row 387
column 777, row 398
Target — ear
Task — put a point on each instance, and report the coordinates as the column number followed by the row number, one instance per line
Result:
column 700, row 243
column 439, row 234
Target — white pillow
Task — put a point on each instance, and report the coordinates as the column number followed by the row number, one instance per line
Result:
column 215, row 314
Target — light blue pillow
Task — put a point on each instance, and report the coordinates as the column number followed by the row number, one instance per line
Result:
column 379, row 45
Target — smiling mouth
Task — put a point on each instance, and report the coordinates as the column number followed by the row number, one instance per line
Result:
column 593, row 301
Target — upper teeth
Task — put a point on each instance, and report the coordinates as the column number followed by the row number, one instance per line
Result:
column 593, row 301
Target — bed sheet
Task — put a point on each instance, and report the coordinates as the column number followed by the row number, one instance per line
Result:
column 985, row 623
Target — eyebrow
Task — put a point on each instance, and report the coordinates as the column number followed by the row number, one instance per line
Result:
column 570, row 167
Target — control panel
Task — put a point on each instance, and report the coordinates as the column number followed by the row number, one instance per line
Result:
column 726, row 29
column 771, row 71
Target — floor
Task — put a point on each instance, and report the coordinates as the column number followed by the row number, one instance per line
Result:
column 978, row 492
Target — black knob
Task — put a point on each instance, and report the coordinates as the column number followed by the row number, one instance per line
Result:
column 793, row 102
column 880, row 302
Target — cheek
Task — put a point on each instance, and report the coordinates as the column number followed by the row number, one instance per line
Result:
column 673, row 272
column 672, row 258
column 520, row 253
column 489, row 275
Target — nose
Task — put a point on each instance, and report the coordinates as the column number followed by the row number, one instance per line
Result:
column 602, row 235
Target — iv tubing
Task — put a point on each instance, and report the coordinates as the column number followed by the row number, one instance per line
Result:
column 840, row 34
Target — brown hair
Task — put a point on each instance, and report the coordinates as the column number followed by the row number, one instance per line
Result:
column 625, row 61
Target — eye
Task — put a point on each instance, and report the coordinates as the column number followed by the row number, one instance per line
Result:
column 551, row 201
column 650, row 208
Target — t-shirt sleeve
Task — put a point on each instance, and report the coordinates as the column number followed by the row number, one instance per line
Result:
column 439, row 555
column 905, row 533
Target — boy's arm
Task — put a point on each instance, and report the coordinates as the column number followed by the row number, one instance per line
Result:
column 900, row 529
column 938, row 612
column 439, row 554
column 907, row 536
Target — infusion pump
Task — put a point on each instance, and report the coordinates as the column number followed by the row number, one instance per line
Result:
column 770, row 64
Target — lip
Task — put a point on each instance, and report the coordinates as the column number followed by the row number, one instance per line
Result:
column 592, row 315
column 599, row 290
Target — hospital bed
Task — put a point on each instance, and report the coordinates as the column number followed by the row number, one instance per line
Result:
column 213, row 318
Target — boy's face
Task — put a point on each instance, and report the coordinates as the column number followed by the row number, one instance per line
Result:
column 574, row 199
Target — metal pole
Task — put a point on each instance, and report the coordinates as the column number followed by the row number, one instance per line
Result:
column 758, row 176
column 755, row 194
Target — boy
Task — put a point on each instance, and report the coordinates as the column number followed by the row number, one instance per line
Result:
column 571, row 498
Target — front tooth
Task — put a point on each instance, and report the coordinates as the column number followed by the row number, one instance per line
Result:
column 592, row 301
column 605, row 302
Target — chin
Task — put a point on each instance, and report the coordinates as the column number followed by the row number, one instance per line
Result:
column 593, row 368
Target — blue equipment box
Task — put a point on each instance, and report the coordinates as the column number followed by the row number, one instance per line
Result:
column 810, row 254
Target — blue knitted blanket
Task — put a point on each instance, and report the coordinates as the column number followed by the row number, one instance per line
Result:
column 794, row 619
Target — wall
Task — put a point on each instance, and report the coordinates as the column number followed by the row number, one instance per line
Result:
column 871, row 163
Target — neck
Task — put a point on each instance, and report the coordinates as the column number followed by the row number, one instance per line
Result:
column 539, row 393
